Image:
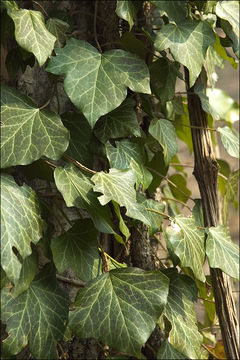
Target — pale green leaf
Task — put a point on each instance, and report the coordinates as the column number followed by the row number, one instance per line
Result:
column 163, row 131
column 127, row 10
column 175, row 9
column 21, row 224
column 230, row 140
column 31, row 33
column 58, row 28
column 229, row 10
column 37, row 317
column 122, row 226
column 223, row 105
column 129, row 155
column 118, row 185
column 9, row 5
column 76, row 188
column 180, row 311
column 188, row 44
column 222, row 252
column 163, row 74
column 167, row 351
column 120, row 308
column 97, row 83
column 27, row 133
column 77, row 249
column 119, row 123
column 230, row 194
column 188, row 244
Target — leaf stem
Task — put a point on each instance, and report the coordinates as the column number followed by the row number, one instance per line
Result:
column 50, row 164
column 78, row 164
column 211, row 301
column 105, row 257
column 37, row 3
column 178, row 201
column 95, row 25
column 210, row 352
column 74, row 282
column 159, row 213
column 112, row 259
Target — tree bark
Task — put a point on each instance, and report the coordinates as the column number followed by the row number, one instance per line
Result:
column 206, row 173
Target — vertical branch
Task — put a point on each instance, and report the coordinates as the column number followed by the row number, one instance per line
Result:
column 206, row 172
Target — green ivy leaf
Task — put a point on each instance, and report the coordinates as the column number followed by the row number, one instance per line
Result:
column 163, row 75
column 188, row 244
column 154, row 218
column 127, row 10
column 175, row 9
column 37, row 317
column 76, row 188
column 230, row 193
column 118, row 185
column 180, row 311
column 223, row 105
column 97, row 83
column 129, row 155
column 227, row 28
column 27, row 133
column 164, row 132
column 188, row 44
column 222, row 252
column 31, row 33
column 122, row 226
column 58, row 28
column 77, row 249
column 167, row 351
column 229, row 10
column 230, row 140
column 120, row 308
column 119, row 123
column 181, row 189
column 21, row 224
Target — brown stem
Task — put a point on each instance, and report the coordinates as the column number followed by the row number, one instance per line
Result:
column 206, row 173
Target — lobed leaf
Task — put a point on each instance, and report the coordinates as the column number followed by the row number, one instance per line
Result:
column 167, row 351
column 127, row 10
column 175, row 9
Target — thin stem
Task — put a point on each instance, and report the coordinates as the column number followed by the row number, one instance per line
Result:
column 159, row 213
column 194, row 126
column 112, row 259
column 78, row 164
column 191, row 166
column 74, row 282
column 35, row 2
column 178, row 201
column 210, row 328
column 95, row 26
column 104, row 255
column 50, row 164
column 211, row 301
column 210, row 352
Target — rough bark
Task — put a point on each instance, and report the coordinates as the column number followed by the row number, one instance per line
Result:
column 206, row 173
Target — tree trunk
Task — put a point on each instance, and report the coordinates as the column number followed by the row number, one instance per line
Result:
column 206, row 173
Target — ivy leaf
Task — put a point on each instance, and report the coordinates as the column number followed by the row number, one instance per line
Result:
column 181, row 189
column 118, row 185
column 97, row 83
column 37, row 317
column 227, row 28
column 163, row 131
column 188, row 244
column 163, row 75
column 174, row 9
column 21, row 224
column 77, row 190
column 119, row 123
column 188, row 43
column 58, row 28
column 167, row 351
column 222, row 252
column 129, row 155
column 230, row 140
column 230, row 193
column 180, row 311
column 229, row 10
column 223, row 105
column 122, row 226
column 154, row 218
column 127, row 10
column 27, row 132
column 132, row 299
column 31, row 33
column 77, row 249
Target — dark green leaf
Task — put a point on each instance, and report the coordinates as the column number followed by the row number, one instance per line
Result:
column 227, row 28
column 58, row 28
column 97, row 83
column 167, row 351
column 180, row 192
column 120, row 308
column 183, row 129
column 230, row 194
column 175, row 9
column 158, row 169
column 77, row 249
column 122, row 226
column 21, row 224
column 229, row 10
column 197, row 212
column 130, row 43
column 27, row 133
column 224, row 170
column 127, row 10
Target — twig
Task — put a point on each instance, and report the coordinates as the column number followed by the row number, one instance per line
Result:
column 78, row 164
column 178, row 201
column 74, row 282
column 210, row 352
column 191, row 166
column 211, row 301
column 112, row 259
column 35, row 2
column 50, row 164
column 193, row 126
column 95, row 26
column 159, row 213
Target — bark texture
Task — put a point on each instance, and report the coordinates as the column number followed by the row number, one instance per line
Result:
column 206, row 173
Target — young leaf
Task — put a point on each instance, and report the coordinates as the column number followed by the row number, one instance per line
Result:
column 180, row 311
column 129, row 155
column 37, row 317
column 163, row 131
column 222, row 252
column 230, row 140
column 31, row 33
column 77, row 249
column 188, row 43
column 120, row 122
column 27, row 132
column 58, row 28
column 127, row 10
column 118, row 185
column 120, row 308
column 175, row 9
column 77, row 189
column 21, row 224
column 167, row 351
column 188, row 244
column 97, row 83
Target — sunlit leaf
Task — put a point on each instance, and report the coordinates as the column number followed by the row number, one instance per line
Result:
column 230, row 140
column 229, row 10
column 223, row 105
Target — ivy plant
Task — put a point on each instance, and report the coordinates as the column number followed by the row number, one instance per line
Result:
column 92, row 179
